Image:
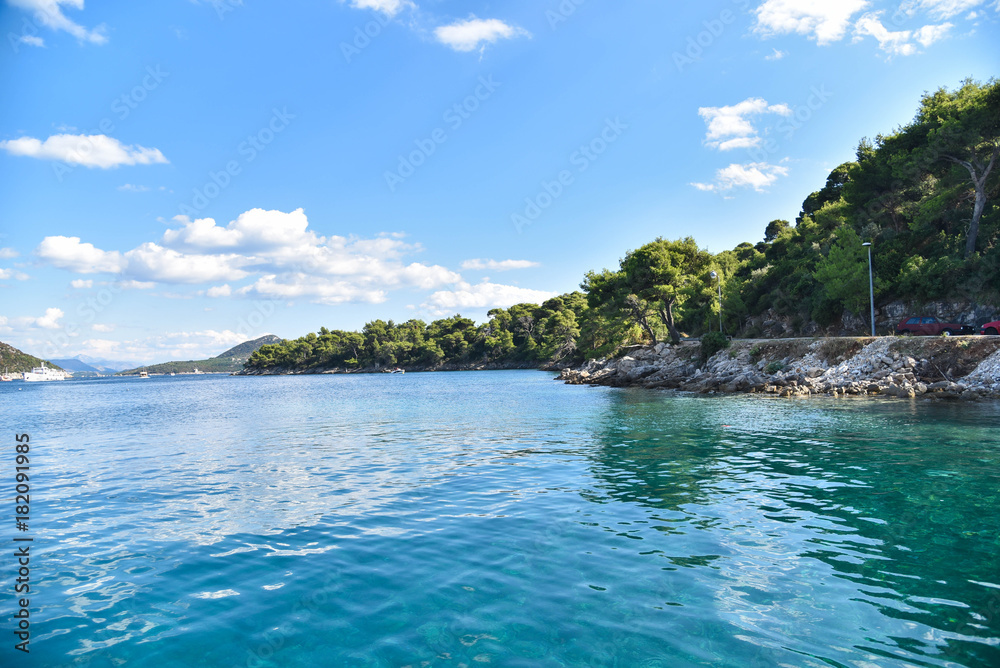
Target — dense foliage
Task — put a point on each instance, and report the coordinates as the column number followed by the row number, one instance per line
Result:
column 523, row 333
column 923, row 196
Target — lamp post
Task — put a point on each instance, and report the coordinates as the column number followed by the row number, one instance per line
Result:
column 871, row 284
column 719, row 283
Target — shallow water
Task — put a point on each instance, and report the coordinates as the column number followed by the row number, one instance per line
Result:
column 499, row 518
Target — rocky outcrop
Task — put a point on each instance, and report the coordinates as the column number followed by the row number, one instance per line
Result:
column 953, row 367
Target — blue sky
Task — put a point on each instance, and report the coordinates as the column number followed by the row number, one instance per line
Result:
column 180, row 176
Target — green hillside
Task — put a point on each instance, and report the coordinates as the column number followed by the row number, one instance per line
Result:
column 228, row 362
column 15, row 361
column 243, row 351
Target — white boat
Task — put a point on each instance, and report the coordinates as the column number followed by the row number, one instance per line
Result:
column 40, row 373
column 143, row 374
column 6, row 377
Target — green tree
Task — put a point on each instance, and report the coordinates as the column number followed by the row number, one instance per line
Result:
column 774, row 229
column 843, row 273
column 963, row 129
column 653, row 281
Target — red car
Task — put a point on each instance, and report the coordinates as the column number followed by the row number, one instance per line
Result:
column 992, row 328
column 932, row 327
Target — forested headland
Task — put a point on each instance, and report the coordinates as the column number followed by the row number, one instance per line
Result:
column 924, row 196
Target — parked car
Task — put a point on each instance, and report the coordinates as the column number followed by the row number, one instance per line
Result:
column 991, row 328
column 932, row 327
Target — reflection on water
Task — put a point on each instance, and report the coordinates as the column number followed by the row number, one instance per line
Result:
column 468, row 519
column 893, row 511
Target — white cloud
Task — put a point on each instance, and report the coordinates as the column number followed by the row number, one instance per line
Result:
column 253, row 230
column 219, row 291
column 776, row 55
column 895, row 43
column 387, row 7
column 87, row 150
column 81, row 284
column 484, row 295
column 81, row 258
column 730, row 127
column 503, row 265
column 136, row 285
column 756, row 175
column 474, row 33
column 29, row 324
column 153, row 263
column 941, row 9
column 8, row 253
column 103, row 328
column 49, row 13
column 32, row 40
column 277, row 249
column 822, row 20
column 932, row 33
column 11, row 273
column 321, row 291
column 51, row 319
column 128, row 187
column 898, row 42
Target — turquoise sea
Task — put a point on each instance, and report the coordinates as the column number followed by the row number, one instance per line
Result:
column 497, row 518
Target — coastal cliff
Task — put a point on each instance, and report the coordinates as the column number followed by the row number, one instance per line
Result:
column 941, row 367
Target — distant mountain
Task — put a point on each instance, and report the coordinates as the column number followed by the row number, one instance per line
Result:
column 228, row 362
column 248, row 348
column 15, row 361
column 75, row 366
column 107, row 366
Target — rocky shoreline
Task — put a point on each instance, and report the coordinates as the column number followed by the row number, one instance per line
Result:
column 966, row 367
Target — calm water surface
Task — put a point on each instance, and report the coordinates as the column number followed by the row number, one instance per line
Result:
column 501, row 518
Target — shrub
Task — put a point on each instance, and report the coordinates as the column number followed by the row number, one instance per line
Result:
column 712, row 343
column 774, row 367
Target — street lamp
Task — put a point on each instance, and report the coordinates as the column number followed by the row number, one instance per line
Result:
column 719, row 283
column 871, row 284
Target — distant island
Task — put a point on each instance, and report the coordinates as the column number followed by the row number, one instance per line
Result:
column 230, row 361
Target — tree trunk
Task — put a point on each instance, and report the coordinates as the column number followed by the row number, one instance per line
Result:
column 977, row 211
column 644, row 323
column 668, row 319
column 979, row 174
